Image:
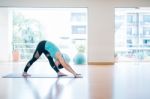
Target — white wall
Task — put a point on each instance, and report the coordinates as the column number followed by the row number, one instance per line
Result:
column 100, row 21
column 4, row 44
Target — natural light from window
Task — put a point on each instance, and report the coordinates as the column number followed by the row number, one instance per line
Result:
column 66, row 27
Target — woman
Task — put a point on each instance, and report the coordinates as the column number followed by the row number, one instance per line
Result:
column 51, row 51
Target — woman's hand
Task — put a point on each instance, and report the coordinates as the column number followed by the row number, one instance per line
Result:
column 78, row 76
column 25, row 74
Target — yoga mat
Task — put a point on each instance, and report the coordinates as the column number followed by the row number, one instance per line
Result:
column 13, row 75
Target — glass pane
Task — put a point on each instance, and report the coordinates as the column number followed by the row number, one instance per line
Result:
column 63, row 26
column 132, row 33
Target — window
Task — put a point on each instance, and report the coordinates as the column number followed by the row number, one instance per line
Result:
column 131, row 18
column 78, row 29
column 133, row 35
column 146, row 19
column 66, row 27
column 129, row 43
column 78, row 17
column 146, row 31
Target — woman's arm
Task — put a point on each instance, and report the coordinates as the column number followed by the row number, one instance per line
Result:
column 65, row 65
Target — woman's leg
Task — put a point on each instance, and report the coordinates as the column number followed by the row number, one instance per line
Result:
column 51, row 61
column 60, row 66
column 34, row 58
column 36, row 55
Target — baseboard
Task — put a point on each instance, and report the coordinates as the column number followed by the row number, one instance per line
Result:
column 100, row 63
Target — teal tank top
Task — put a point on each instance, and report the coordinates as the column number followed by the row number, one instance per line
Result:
column 51, row 48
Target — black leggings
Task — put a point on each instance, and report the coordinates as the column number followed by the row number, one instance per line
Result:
column 39, row 50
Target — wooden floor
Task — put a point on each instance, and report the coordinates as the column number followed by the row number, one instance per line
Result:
column 119, row 81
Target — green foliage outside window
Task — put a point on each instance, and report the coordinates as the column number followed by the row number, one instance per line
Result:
column 26, row 34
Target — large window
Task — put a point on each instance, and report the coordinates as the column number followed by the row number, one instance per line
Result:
column 132, row 34
column 66, row 27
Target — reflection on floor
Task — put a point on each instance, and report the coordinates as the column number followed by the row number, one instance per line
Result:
column 119, row 81
column 42, row 88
